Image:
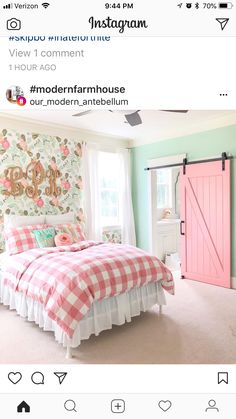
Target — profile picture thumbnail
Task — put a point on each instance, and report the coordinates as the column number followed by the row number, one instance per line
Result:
column 15, row 95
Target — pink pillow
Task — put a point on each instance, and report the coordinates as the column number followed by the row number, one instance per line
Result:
column 73, row 230
column 63, row 239
column 20, row 239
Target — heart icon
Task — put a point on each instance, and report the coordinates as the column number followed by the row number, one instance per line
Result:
column 14, row 377
column 165, row 405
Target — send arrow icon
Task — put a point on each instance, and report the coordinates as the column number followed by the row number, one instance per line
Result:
column 223, row 22
column 61, row 376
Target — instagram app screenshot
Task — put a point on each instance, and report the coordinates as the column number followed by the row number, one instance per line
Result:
column 117, row 209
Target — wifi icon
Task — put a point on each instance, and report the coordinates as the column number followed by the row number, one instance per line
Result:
column 45, row 5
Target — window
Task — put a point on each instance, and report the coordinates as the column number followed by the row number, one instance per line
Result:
column 109, row 188
column 164, row 188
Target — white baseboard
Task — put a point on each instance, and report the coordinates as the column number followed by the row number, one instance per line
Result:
column 233, row 282
column 177, row 275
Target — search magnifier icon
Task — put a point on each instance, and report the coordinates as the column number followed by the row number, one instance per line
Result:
column 70, row 406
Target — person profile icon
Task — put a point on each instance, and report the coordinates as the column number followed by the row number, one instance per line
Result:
column 212, row 406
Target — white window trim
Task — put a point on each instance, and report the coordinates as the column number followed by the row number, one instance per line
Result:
column 163, row 161
column 111, row 228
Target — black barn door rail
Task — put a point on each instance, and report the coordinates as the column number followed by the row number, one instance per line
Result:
column 185, row 162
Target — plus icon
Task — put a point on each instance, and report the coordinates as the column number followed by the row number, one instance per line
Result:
column 118, row 406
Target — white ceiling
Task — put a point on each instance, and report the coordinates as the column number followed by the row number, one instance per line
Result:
column 157, row 125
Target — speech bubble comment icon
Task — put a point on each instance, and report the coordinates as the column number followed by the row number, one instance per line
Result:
column 37, row 378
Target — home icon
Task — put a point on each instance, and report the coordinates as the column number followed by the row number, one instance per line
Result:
column 23, row 407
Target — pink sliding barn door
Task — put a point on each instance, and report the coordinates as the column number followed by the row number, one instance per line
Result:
column 205, row 223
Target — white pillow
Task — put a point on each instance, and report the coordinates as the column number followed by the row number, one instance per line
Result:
column 23, row 220
column 60, row 218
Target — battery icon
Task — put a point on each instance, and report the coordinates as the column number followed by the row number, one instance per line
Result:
column 225, row 5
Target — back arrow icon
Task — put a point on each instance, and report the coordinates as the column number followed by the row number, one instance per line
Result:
column 223, row 22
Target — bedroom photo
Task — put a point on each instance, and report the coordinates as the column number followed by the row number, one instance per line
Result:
column 117, row 237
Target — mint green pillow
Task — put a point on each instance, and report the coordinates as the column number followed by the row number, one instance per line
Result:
column 45, row 237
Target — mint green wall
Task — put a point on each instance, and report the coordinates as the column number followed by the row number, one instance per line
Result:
column 201, row 145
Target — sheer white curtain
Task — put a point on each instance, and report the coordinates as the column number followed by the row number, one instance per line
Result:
column 126, row 205
column 92, row 197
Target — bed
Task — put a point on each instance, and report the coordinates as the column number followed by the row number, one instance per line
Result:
column 82, row 289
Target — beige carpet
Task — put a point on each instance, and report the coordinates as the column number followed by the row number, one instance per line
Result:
column 197, row 326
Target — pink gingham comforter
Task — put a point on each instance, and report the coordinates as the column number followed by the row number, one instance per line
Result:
column 67, row 280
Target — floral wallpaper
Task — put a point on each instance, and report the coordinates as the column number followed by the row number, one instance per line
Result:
column 54, row 153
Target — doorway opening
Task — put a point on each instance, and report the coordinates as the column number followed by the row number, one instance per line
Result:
column 165, row 212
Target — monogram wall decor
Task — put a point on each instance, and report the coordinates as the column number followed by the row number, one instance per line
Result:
column 29, row 181
column 39, row 174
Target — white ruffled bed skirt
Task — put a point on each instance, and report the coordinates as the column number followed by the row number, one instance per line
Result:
column 103, row 314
